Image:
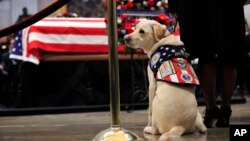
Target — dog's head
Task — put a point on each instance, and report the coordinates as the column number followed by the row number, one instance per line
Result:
column 146, row 34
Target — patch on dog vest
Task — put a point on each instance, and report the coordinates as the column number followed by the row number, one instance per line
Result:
column 169, row 63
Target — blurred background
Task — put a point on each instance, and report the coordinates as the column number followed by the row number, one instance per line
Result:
column 11, row 9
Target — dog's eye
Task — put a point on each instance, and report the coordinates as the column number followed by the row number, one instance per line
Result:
column 141, row 31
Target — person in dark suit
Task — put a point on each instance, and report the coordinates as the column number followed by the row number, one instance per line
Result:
column 214, row 32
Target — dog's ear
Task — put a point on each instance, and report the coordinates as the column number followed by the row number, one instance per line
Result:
column 159, row 31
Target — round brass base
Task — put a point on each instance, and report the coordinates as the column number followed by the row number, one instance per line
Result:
column 116, row 134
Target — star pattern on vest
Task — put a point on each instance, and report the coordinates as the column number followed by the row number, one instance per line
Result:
column 166, row 52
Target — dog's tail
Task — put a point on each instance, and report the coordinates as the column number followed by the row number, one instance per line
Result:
column 199, row 123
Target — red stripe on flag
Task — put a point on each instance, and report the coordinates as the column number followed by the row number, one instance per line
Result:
column 77, row 48
column 68, row 30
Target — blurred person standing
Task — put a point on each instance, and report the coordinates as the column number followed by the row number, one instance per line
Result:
column 24, row 15
column 214, row 32
column 8, row 69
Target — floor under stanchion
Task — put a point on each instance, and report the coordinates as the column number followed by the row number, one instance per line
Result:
column 84, row 126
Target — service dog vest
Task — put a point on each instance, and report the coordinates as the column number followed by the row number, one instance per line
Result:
column 169, row 63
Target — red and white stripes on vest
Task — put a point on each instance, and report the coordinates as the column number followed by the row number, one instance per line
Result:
column 169, row 64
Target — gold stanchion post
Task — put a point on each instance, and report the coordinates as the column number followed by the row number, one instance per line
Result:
column 115, row 132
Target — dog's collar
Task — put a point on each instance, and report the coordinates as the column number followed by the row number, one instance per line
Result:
column 170, row 40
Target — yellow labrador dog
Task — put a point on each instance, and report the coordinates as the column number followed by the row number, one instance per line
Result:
column 172, row 104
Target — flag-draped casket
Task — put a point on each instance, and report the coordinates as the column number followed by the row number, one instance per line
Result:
column 61, row 35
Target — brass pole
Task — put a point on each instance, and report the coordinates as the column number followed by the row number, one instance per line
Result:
column 115, row 132
column 113, row 65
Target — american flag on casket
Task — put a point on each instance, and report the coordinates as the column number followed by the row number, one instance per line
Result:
column 61, row 35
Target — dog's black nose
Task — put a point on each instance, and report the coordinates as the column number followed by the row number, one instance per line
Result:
column 127, row 39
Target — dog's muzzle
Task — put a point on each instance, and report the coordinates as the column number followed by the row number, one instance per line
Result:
column 127, row 39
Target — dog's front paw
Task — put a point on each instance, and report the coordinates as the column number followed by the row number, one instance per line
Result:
column 151, row 137
column 150, row 130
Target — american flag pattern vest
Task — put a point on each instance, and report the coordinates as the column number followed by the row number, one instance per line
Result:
column 169, row 63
